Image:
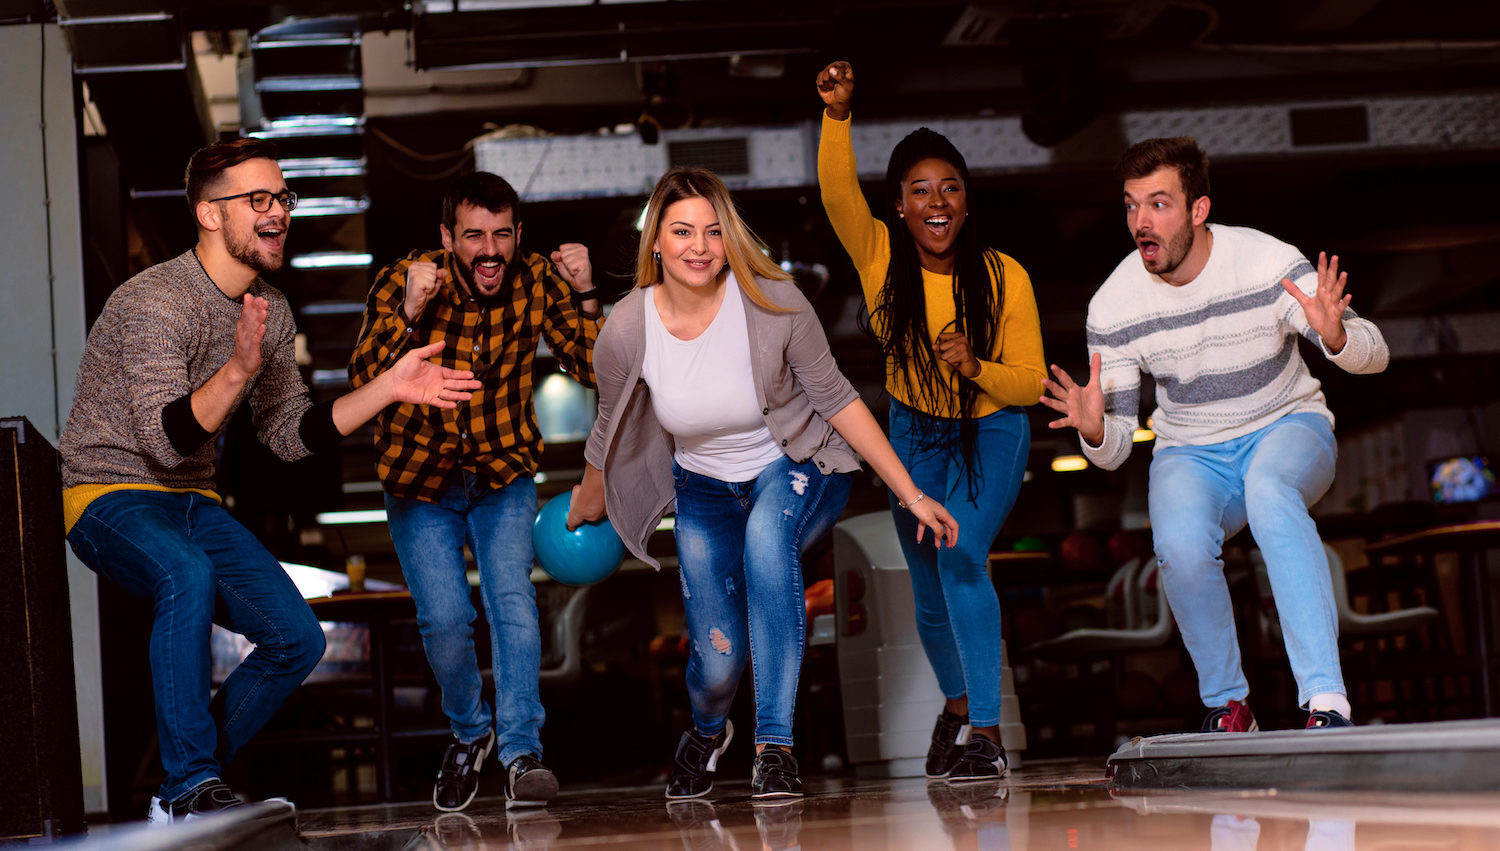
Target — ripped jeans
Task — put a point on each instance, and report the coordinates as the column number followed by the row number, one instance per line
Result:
column 739, row 550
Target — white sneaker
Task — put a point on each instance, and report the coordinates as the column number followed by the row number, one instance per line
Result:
column 209, row 797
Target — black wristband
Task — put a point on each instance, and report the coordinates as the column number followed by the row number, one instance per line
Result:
column 183, row 430
column 317, row 430
column 580, row 297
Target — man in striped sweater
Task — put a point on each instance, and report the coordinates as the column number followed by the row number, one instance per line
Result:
column 1212, row 313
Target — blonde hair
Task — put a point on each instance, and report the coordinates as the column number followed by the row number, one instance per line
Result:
column 742, row 248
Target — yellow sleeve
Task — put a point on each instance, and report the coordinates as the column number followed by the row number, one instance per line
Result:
column 1015, row 375
column 863, row 235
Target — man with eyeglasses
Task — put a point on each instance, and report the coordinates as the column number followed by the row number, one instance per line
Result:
column 469, row 477
column 177, row 349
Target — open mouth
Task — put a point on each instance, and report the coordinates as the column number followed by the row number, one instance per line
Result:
column 1150, row 248
column 939, row 225
column 697, row 265
column 487, row 272
column 273, row 238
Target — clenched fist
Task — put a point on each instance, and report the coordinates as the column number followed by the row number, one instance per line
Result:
column 422, row 281
column 573, row 266
column 836, row 88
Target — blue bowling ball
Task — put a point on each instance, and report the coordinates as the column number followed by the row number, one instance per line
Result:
column 580, row 557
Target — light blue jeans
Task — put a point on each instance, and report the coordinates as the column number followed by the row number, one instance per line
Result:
column 429, row 539
column 739, row 551
column 958, row 613
column 190, row 558
column 1201, row 495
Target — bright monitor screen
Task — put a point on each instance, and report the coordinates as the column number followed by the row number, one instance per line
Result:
column 1462, row 478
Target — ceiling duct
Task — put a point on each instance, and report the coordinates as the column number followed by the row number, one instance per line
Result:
column 593, row 165
column 539, row 33
column 1002, row 25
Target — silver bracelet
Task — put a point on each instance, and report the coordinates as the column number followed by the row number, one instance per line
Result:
column 907, row 505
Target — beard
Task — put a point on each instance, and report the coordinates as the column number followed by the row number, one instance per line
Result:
column 1172, row 252
column 502, row 288
column 242, row 247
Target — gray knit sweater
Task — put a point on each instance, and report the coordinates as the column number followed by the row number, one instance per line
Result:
column 162, row 335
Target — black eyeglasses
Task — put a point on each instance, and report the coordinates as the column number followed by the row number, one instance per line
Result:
column 260, row 200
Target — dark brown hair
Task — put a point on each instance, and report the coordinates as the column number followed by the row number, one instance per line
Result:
column 482, row 190
column 1178, row 152
column 209, row 163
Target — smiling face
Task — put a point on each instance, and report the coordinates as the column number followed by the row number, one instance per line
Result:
column 691, row 243
column 257, row 240
column 1164, row 225
column 483, row 244
column 934, row 206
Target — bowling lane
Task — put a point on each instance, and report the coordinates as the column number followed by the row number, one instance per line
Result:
column 1045, row 805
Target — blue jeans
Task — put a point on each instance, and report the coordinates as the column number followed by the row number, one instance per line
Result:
column 429, row 540
column 1201, row 495
column 184, row 552
column 739, row 551
column 958, row 614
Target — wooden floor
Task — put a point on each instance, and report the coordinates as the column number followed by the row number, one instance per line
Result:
column 1044, row 805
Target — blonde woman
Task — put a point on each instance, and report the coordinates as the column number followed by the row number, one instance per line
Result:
column 719, row 399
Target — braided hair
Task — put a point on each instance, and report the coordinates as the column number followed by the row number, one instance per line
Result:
column 899, row 317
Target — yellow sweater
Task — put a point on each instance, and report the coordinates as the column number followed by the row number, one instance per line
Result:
column 1012, row 375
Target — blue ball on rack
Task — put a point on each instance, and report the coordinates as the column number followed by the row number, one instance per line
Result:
column 580, row 557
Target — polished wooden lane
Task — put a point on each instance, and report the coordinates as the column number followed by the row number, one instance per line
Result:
column 1045, row 805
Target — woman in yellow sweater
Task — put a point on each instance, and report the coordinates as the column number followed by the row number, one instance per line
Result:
column 957, row 322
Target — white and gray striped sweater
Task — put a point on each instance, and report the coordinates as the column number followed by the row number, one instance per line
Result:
column 1222, row 349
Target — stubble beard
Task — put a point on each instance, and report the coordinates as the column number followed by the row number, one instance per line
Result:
column 248, row 253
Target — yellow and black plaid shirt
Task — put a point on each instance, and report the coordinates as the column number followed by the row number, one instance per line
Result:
column 493, row 435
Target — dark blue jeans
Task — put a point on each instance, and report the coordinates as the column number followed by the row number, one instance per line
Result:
column 958, row 614
column 430, row 538
column 184, row 552
column 739, row 551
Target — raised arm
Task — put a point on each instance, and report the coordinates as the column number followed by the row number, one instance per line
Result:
column 1104, row 411
column 413, row 379
column 572, row 314
column 862, row 235
column 212, row 402
column 1349, row 341
column 393, row 310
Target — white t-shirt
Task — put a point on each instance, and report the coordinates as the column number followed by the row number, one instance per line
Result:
column 703, row 393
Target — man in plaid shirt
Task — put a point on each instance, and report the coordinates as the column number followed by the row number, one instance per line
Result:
column 466, row 475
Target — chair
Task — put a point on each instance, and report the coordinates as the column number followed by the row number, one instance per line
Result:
column 1352, row 623
column 1376, row 665
column 1139, row 635
column 1149, row 626
column 566, row 632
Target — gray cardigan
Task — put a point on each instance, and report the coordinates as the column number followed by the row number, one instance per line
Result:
column 797, row 383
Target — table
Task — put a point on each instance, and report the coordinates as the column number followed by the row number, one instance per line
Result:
column 1470, row 541
column 377, row 609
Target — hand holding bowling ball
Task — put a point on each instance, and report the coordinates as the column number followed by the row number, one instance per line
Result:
column 582, row 556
